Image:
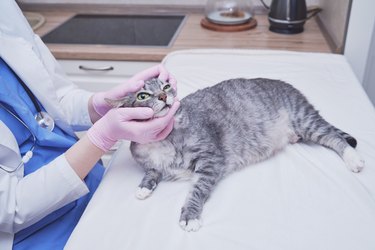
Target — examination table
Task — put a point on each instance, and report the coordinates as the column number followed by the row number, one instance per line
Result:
column 302, row 198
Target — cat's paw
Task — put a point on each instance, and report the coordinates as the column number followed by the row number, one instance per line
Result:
column 353, row 161
column 142, row 193
column 191, row 225
column 293, row 138
column 189, row 220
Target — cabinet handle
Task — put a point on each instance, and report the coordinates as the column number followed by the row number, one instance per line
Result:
column 109, row 68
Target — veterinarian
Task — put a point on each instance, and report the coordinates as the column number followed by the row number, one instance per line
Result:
column 47, row 175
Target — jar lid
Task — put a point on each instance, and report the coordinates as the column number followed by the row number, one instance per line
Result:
column 228, row 12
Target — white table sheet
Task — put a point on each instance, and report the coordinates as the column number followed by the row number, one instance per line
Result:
column 303, row 198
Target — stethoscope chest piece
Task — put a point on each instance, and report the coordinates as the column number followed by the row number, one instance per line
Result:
column 45, row 120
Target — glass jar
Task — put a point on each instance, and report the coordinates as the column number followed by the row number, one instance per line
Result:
column 228, row 12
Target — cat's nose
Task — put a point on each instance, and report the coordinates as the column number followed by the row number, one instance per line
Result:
column 163, row 97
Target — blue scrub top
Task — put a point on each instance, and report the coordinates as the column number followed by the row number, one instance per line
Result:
column 53, row 231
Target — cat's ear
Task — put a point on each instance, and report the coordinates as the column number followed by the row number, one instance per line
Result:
column 120, row 103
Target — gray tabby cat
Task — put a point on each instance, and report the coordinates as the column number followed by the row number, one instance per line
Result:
column 224, row 128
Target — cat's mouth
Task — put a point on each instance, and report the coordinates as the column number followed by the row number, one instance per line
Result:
column 163, row 111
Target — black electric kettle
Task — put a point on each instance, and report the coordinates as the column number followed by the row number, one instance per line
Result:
column 289, row 16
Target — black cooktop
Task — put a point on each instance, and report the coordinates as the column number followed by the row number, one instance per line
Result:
column 138, row 30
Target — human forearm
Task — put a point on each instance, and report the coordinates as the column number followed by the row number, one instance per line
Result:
column 36, row 195
column 83, row 155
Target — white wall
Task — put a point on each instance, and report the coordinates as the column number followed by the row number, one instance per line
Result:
column 333, row 18
column 358, row 40
column 369, row 77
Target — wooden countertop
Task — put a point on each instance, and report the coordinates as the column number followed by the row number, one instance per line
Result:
column 191, row 36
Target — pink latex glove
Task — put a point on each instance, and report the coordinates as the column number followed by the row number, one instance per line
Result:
column 132, row 85
column 131, row 124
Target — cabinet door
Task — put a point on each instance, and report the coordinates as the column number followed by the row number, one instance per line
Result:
column 101, row 75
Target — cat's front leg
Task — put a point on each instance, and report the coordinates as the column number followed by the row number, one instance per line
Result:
column 149, row 183
column 191, row 211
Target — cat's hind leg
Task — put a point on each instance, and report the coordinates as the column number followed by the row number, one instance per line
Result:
column 321, row 132
column 148, row 184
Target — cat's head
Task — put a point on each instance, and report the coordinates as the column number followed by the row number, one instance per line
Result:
column 155, row 94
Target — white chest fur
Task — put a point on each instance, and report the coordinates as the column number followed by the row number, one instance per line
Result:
column 160, row 154
column 163, row 157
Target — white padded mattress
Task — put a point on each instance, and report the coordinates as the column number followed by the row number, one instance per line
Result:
column 303, row 198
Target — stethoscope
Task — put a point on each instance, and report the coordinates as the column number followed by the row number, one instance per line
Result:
column 43, row 119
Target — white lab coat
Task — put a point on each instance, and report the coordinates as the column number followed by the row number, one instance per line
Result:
column 23, row 201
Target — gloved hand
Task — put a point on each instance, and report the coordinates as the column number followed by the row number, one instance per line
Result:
column 131, row 124
column 132, row 85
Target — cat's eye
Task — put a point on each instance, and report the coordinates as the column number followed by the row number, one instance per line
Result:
column 143, row 96
column 166, row 87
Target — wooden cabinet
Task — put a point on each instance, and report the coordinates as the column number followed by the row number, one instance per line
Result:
column 98, row 75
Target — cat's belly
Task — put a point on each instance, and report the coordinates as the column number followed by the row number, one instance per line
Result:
column 277, row 136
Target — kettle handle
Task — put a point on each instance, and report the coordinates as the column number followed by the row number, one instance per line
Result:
column 265, row 5
column 312, row 12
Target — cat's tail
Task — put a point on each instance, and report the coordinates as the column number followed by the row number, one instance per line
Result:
column 349, row 139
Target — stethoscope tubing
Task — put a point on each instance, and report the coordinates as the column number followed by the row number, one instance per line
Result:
column 43, row 119
column 30, row 94
column 28, row 154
